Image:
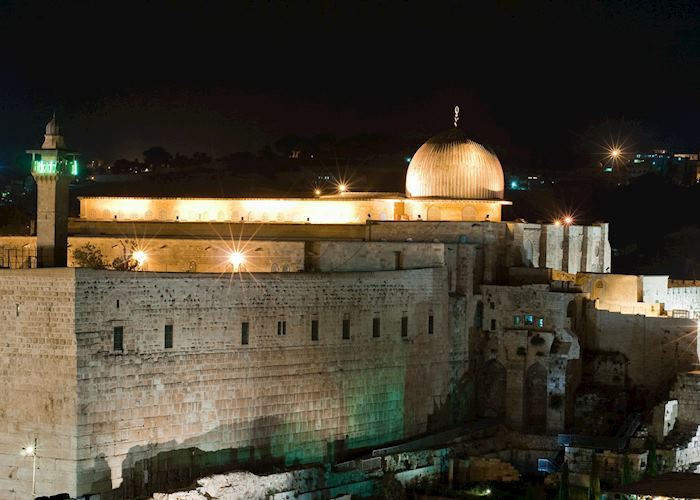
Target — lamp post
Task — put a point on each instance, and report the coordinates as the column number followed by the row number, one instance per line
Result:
column 30, row 451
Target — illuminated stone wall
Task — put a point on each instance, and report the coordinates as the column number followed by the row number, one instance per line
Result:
column 352, row 209
column 527, row 331
column 283, row 399
column 38, row 378
column 657, row 347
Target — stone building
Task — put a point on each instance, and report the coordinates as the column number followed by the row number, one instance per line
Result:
column 281, row 332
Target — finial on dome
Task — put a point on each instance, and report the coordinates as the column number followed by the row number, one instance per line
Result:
column 456, row 115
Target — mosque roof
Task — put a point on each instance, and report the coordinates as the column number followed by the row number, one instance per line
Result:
column 451, row 166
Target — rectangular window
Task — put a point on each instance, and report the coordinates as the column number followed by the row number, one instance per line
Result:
column 375, row 327
column 245, row 327
column 118, row 338
column 314, row 329
column 540, row 322
column 516, row 320
column 404, row 326
column 168, row 336
column 493, row 325
column 346, row 329
column 281, row 328
column 529, row 319
column 431, row 323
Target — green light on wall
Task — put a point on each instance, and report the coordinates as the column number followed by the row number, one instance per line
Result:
column 49, row 167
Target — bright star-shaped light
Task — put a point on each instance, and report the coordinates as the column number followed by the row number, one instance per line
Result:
column 140, row 257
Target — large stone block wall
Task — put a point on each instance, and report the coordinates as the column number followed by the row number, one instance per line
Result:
column 658, row 347
column 282, row 398
column 534, row 360
column 378, row 256
column 38, row 378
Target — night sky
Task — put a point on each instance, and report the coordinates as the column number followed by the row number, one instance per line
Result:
column 534, row 81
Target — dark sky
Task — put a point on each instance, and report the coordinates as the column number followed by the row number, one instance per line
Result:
column 530, row 77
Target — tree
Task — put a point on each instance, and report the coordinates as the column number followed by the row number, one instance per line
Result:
column 89, row 256
column 563, row 493
column 157, row 156
column 626, row 471
column 126, row 261
column 652, row 461
column 594, row 488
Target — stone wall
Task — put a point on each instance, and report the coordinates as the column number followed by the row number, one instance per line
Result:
column 38, row 381
column 210, row 402
column 657, row 347
column 528, row 346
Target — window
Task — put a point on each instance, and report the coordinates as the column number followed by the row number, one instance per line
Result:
column 314, row 329
column 404, row 326
column 245, row 328
column 118, row 338
column 375, row 327
column 281, row 328
column 540, row 322
column 492, row 305
column 529, row 320
column 516, row 320
column 493, row 324
column 168, row 336
column 431, row 323
column 346, row 329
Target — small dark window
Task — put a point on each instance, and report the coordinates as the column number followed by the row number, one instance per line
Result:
column 529, row 319
column 117, row 303
column 118, row 338
column 314, row 329
column 346, row 329
column 516, row 320
column 492, row 305
column 404, row 326
column 168, row 336
column 431, row 324
column 540, row 322
column 245, row 327
column 493, row 324
column 375, row 327
column 281, row 328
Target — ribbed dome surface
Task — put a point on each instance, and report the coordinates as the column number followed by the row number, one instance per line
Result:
column 451, row 166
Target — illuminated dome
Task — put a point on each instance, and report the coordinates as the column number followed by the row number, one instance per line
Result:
column 451, row 166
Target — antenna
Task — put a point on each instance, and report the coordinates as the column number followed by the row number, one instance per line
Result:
column 456, row 115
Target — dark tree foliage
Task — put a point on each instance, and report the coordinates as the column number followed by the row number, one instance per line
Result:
column 90, row 256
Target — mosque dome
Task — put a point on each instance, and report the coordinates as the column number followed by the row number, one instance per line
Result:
column 451, row 166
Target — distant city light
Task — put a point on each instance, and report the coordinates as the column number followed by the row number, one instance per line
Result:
column 514, row 184
column 236, row 259
column 140, row 257
column 615, row 152
column 408, row 159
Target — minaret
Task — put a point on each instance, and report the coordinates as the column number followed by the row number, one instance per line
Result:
column 53, row 167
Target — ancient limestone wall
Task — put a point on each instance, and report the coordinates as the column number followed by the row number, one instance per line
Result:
column 37, row 381
column 527, row 376
column 683, row 297
column 378, row 256
column 210, row 402
column 658, row 347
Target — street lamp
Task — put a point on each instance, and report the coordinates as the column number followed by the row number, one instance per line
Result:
column 30, row 451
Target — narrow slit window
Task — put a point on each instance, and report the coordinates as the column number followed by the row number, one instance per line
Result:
column 493, row 324
column 168, row 336
column 118, row 338
column 245, row 331
column 346, row 329
column 376, row 328
column 314, row 329
column 404, row 326
column 431, row 324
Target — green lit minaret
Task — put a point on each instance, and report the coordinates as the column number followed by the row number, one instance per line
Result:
column 53, row 168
